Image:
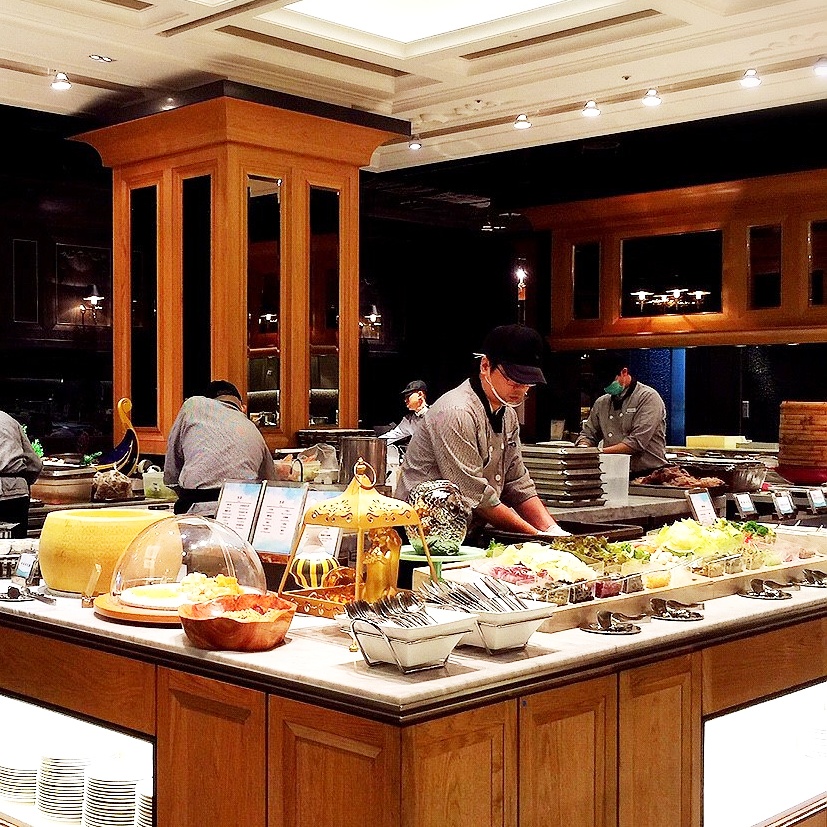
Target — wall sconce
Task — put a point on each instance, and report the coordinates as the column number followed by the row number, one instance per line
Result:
column 61, row 82
column 91, row 301
column 521, row 277
column 670, row 300
column 370, row 325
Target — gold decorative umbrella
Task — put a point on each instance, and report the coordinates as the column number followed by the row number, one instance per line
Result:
column 360, row 508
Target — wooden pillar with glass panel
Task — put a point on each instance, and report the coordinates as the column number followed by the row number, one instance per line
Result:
column 236, row 257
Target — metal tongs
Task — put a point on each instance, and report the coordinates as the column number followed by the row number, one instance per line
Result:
column 675, row 609
column 767, row 588
column 814, row 577
column 16, row 593
column 617, row 621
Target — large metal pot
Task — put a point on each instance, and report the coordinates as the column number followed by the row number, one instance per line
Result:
column 372, row 449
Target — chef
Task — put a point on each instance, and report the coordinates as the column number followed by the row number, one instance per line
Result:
column 19, row 468
column 415, row 397
column 212, row 440
column 630, row 418
column 471, row 436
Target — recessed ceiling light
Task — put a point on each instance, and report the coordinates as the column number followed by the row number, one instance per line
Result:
column 591, row 109
column 652, row 98
column 414, row 143
column 61, row 82
column 522, row 122
column 168, row 104
column 102, row 58
column 821, row 67
column 751, row 79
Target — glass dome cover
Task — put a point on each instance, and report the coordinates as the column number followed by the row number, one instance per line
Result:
column 186, row 558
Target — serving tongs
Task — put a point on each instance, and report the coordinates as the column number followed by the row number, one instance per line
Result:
column 675, row 610
column 814, row 577
column 615, row 623
column 16, row 593
column 767, row 590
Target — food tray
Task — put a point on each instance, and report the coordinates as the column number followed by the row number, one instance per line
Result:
column 611, row 531
column 569, row 486
column 555, row 503
column 309, row 602
column 657, row 491
column 542, row 472
column 559, row 453
column 737, row 474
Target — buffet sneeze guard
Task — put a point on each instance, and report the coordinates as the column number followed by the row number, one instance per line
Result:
column 360, row 509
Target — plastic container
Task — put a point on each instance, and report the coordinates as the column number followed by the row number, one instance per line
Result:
column 614, row 474
column 154, row 488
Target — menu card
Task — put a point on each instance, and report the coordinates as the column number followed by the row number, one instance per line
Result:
column 328, row 537
column 281, row 511
column 238, row 505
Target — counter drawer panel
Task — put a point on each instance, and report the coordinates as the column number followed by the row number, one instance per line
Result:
column 330, row 767
column 108, row 687
column 568, row 756
column 211, row 754
column 462, row 770
column 745, row 670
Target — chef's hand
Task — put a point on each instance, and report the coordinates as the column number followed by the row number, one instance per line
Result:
column 554, row 530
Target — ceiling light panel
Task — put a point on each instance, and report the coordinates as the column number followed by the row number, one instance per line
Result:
column 407, row 23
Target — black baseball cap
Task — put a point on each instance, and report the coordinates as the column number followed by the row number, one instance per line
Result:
column 415, row 385
column 221, row 387
column 518, row 350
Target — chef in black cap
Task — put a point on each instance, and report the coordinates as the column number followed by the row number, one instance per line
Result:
column 415, row 397
column 471, row 436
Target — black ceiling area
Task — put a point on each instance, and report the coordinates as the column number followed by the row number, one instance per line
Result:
column 469, row 192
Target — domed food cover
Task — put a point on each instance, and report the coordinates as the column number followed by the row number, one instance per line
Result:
column 444, row 515
column 186, row 559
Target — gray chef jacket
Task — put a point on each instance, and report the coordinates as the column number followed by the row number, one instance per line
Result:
column 19, row 464
column 457, row 442
column 640, row 422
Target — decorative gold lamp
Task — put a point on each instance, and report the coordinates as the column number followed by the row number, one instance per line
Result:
column 362, row 509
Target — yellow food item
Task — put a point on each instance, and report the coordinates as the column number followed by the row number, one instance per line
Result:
column 268, row 615
column 198, row 587
column 656, row 579
column 73, row 541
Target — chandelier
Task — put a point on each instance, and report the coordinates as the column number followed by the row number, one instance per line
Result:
column 674, row 299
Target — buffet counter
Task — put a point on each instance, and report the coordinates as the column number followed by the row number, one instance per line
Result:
column 576, row 729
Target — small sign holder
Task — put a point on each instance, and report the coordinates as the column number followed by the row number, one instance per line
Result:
column 238, row 505
column 701, row 505
column 817, row 500
column 279, row 517
column 745, row 505
column 783, row 504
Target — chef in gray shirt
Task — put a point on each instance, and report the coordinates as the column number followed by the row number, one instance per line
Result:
column 471, row 436
column 630, row 418
column 212, row 440
column 19, row 468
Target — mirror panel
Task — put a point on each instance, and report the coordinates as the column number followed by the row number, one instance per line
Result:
column 324, row 306
column 586, row 280
column 675, row 274
column 765, row 266
column 818, row 262
column 143, row 277
column 197, row 276
column 264, row 281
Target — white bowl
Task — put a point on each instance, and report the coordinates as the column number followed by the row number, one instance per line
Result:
column 418, row 647
column 498, row 631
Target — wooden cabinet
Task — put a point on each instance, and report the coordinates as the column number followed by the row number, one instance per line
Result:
column 211, row 753
column 568, row 756
column 660, row 744
column 461, row 770
column 330, row 768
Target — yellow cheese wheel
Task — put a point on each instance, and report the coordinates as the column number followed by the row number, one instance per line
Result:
column 72, row 541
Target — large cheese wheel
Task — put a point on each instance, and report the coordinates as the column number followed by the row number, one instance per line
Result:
column 72, row 541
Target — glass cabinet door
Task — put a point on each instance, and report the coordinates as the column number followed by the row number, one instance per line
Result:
column 818, row 262
column 324, row 306
column 264, row 306
column 765, row 266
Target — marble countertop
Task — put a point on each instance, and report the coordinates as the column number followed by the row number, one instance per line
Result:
column 632, row 507
column 316, row 664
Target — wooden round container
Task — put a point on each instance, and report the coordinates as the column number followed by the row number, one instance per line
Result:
column 802, row 442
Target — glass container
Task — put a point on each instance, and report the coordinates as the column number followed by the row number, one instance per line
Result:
column 196, row 552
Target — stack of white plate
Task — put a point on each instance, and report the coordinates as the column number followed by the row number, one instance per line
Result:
column 60, row 782
column 18, row 777
column 145, row 807
column 110, row 795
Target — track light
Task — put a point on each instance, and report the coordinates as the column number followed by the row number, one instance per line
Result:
column 821, row 67
column 414, row 143
column 750, row 79
column 591, row 109
column 61, row 82
column 522, row 122
column 652, row 98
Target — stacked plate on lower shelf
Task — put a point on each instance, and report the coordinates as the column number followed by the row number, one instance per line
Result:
column 18, row 777
column 144, row 814
column 565, row 477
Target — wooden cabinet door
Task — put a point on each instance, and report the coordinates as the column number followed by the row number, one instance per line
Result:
column 660, row 744
column 211, row 753
column 330, row 769
column 461, row 771
column 568, row 756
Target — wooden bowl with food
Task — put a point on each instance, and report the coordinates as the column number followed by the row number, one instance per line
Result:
column 238, row 623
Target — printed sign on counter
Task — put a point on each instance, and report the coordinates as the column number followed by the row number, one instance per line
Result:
column 238, row 505
column 281, row 511
column 328, row 537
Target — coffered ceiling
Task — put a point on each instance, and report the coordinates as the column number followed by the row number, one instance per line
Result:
column 459, row 71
